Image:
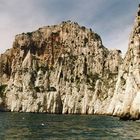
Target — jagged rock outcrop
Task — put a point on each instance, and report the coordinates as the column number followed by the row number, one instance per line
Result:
column 126, row 99
column 59, row 69
column 66, row 69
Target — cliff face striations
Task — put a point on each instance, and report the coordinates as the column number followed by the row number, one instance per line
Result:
column 59, row 69
column 66, row 69
column 126, row 99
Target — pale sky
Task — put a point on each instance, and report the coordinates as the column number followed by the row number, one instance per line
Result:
column 112, row 19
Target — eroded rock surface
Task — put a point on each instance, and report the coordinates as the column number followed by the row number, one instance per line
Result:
column 59, row 69
column 66, row 69
column 126, row 99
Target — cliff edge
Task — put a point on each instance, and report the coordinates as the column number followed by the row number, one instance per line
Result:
column 126, row 99
column 66, row 69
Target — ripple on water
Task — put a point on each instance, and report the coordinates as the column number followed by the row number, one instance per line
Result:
column 45, row 126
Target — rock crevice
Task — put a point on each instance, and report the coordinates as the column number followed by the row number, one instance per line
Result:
column 66, row 69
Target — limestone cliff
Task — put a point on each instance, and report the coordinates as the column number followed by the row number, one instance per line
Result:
column 66, row 69
column 126, row 99
column 58, row 69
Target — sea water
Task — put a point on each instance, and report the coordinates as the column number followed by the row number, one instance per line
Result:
column 33, row 126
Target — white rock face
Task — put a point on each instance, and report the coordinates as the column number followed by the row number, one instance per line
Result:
column 59, row 69
column 125, row 101
column 66, row 69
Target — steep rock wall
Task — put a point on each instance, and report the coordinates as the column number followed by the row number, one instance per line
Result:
column 59, row 69
column 126, row 99
column 66, row 69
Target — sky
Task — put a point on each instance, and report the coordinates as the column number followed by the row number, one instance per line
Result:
column 112, row 19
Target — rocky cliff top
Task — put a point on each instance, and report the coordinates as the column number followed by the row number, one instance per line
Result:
column 66, row 69
column 126, row 100
column 58, row 69
column 49, row 43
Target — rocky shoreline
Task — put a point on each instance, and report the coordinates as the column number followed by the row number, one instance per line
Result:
column 66, row 69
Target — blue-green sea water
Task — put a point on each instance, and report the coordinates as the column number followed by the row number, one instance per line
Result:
column 30, row 126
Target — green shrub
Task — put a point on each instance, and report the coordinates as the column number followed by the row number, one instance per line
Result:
column 93, row 76
column 29, row 33
column 2, row 88
column 51, row 89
